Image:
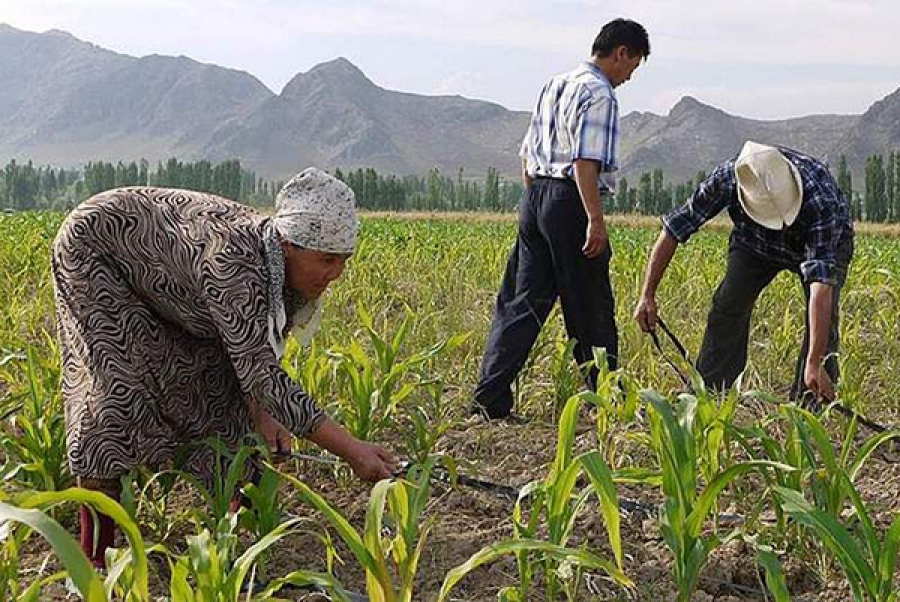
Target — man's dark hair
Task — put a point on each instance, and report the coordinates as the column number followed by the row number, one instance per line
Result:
column 622, row 32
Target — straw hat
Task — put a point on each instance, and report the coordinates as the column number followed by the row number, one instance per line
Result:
column 769, row 187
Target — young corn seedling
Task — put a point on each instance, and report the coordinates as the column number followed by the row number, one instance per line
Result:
column 147, row 498
column 35, row 443
column 229, row 475
column 311, row 367
column 567, row 379
column 211, row 571
column 828, row 482
column 30, row 508
column 402, row 503
column 378, row 385
column 616, row 402
column 556, row 503
column 687, row 506
column 868, row 561
column 714, row 416
column 263, row 513
column 427, row 421
column 821, row 472
column 776, row 438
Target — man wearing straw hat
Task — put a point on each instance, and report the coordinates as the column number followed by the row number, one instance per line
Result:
column 788, row 214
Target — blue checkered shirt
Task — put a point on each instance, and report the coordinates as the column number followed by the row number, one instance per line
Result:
column 809, row 244
column 576, row 117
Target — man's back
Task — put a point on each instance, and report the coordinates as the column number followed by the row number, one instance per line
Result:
column 576, row 115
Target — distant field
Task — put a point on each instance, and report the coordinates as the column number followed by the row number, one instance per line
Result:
column 440, row 272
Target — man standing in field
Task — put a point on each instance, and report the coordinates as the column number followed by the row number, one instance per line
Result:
column 788, row 214
column 562, row 249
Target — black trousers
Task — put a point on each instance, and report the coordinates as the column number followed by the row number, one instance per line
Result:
column 545, row 263
column 723, row 355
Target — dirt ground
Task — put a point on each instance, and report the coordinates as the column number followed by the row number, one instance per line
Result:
column 467, row 519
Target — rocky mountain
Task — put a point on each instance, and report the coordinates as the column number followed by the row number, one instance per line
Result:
column 877, row 130
column 334, row 116
column 64, row 101
column 696, row 136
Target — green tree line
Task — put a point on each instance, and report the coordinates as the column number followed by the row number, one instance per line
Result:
column 24, row 186
column 432, row 192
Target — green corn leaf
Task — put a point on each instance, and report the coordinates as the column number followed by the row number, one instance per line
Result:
column 887, row 561
column 602, row 480
column 707, row 499
column 67, row 549
column 561, row 554
column 356, row 544
column 108, row 507
column 775, row 579
column 833, row 534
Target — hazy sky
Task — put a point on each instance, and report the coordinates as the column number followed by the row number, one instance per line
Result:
column 766, row 59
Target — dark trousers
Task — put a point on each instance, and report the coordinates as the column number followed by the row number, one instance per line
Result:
column 545, row 263
column 723, row 355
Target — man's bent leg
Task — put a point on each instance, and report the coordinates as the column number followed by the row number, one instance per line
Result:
column 723, row 355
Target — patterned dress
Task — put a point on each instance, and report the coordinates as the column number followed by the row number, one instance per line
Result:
column 162, row 304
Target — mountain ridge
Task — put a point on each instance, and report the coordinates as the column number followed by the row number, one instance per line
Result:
column 67, row 101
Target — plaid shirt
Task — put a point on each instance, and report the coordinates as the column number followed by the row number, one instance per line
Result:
column 808, row 244
column 576, row 117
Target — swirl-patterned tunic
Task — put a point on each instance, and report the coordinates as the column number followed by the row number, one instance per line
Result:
column 162, row 304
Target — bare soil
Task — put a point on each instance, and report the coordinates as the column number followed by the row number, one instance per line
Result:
column 465, row 520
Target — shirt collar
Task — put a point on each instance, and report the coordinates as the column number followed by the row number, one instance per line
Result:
column 590, row 66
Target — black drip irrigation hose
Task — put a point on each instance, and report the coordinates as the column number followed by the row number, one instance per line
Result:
column 443, row 476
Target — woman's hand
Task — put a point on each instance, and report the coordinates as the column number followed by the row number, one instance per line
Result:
column 273, row 432
column 372, row 462
column 369, row 461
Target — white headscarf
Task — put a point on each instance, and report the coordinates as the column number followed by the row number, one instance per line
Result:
column 314, row 211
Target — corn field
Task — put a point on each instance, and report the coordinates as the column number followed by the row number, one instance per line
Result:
column 635, row 491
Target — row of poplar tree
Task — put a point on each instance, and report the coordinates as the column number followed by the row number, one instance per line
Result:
column 24, row 186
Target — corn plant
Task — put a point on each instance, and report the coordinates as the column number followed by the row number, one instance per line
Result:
column 561, row 556
column 828, row 483
column 12, row 536
column 311, row 367
column 263, row 514
column 426, row 423
column 77, row 565
column 380, row 555
column 776, row 438
column 558, row 502
column 148, row 498
column 567, row 380
column 714, row 416
column 211, row 571
column 31, row 510
column 35, row 443
column 616, row 402
column 869, row 561
column 687, row 506
column 228, row 476
column 378, row 385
